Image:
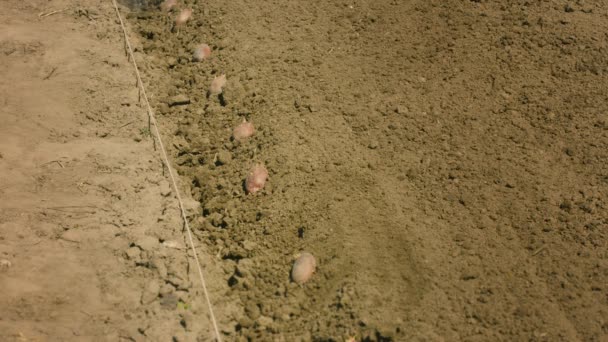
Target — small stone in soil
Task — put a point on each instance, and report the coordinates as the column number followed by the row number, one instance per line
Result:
column 178, row 100
column 5, row 264
column 224, row 158
column 165, row 188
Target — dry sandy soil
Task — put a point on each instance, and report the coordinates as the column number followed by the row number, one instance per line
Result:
column 443, row 160
column 91, row 242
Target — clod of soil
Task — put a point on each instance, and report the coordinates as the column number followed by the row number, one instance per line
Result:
column 167, row 5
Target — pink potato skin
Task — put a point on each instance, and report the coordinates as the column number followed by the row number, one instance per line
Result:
column 256, row 179
column 202, row 52
column 183, row 16
column 217, row 85
column 303, row 268
column 243, row 131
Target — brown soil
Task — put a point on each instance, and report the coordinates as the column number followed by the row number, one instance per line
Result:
column 442, row 160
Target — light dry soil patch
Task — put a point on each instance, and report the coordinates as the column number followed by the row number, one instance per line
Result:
column 88, row 223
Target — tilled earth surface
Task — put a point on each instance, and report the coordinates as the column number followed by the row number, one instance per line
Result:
column 443, row 160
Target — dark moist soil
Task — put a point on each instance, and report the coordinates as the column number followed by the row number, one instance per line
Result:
column 444, row 161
